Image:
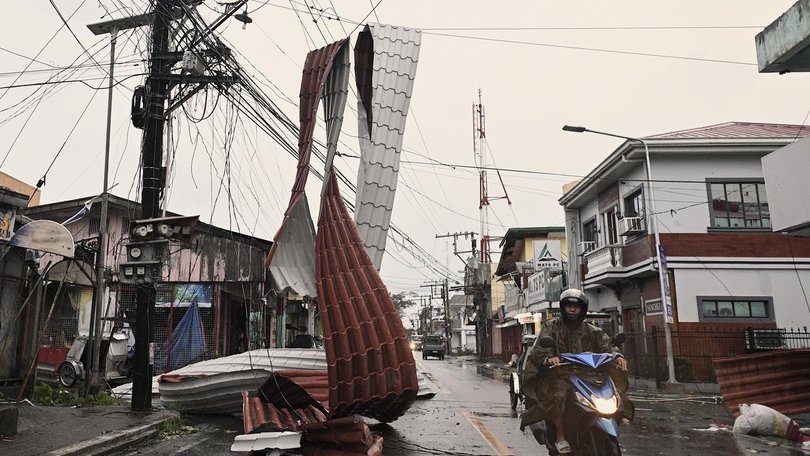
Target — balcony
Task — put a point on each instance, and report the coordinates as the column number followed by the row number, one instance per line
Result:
column 602, row 262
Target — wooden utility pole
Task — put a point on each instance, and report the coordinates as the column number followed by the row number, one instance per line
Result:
column 152, row 158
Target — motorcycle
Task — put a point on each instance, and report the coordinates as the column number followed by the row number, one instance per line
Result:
column 515, row 395
column 116, row 357
column 594, row 404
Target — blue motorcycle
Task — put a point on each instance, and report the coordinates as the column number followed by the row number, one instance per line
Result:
column 594, row 404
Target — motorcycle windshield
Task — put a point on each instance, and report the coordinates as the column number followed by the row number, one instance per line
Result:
column 593, row 360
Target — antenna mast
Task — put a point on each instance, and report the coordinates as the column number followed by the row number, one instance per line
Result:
column 480, row 151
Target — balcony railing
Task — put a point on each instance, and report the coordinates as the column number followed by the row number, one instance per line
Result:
column 604, row 258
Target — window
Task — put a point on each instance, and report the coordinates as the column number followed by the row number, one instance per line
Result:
column 634, row 207
column 739, row 205
column 589, row 234
column 611, row 231
column 736, row 309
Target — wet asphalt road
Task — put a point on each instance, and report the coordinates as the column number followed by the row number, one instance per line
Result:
column 470, row 415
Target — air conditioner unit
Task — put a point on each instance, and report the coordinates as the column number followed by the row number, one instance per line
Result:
column 585, row 247
column 630, row 226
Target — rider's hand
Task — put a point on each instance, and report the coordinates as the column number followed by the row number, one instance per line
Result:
column 621, row 362
column 553, row 361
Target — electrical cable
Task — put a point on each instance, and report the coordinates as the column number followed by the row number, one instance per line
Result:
column 582, row 48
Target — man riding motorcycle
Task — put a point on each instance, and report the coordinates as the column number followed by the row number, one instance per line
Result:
column 545, row 394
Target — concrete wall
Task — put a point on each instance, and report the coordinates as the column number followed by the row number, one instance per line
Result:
column 785, row 285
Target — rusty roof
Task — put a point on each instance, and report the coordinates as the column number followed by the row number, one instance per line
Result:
column 291, row 259
column 345, row 436
column 386, row 58
column 779, row 379
column 739, row 130
column 371, row 368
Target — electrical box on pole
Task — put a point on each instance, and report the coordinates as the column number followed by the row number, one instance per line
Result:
column 148, row 247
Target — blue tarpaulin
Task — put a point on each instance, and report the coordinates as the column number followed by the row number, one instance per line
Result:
column 186, row 344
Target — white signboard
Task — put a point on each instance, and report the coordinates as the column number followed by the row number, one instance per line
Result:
column 537, row 288
column 547, row 254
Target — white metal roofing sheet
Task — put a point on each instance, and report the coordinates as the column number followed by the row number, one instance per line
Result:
column 396, row 53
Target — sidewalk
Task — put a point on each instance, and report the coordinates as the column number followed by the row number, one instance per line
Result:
column 63, row 431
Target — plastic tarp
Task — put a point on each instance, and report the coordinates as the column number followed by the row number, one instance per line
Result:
column 186, row 344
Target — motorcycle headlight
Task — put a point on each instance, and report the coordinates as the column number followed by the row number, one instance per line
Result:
column 605, row 406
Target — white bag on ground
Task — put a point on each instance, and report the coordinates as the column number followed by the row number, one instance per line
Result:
column 762, row 420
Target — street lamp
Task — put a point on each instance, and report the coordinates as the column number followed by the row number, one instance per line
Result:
column 659, row 252
column 112, row 27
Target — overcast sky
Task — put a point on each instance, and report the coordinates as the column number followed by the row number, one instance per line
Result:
column 632, row 67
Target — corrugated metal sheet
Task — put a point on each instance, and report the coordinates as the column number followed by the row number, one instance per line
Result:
column 386, row 59
column 215, row 386
column 371, row 368
column 344, row 436
column 740, row 130
column 291, row 259
column 779, row 379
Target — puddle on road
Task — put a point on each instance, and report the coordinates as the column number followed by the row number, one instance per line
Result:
column 492, row 372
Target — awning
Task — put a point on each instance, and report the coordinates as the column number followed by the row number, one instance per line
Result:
column 507, row 324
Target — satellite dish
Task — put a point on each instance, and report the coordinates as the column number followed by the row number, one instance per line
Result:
column 45, row 236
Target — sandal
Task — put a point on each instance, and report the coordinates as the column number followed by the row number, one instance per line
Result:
column 563, row 447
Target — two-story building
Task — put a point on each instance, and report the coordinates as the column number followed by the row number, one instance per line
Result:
column 531, row 272
column 727, row 269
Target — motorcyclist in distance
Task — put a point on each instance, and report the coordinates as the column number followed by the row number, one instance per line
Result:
column 546, row 394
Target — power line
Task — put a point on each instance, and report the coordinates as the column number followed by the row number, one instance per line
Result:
column 651, row 27
column 581, row 48
column 533, row 172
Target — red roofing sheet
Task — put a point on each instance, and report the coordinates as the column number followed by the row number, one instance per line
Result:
column 316, row 69
column 779, row 379
column 371, row 368
column 320, row 436
column 740, row 130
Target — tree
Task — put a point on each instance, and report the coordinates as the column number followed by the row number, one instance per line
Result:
column 402, row 301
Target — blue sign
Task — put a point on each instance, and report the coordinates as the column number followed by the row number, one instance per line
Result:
column 666, row 299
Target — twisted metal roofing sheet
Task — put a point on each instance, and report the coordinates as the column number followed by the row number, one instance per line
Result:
column 386, row 58
column 371, row 368
column 214, row 386
column 739, row 130
column 291, row 258
column 293, row 411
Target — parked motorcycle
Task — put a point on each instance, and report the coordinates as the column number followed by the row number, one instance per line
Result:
column 594, row 405
column 116, row 355
column 515, row 395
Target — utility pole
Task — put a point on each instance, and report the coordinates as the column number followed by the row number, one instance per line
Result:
column 455, row 236
column 158, row 86
column 152, row 158
column 442, row 286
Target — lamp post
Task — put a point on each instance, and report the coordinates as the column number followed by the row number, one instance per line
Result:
column 112, row 27
column 659, row 254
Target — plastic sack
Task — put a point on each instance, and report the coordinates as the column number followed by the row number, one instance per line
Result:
column 763, row 420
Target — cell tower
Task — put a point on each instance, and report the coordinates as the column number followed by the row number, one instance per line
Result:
column 480, row 151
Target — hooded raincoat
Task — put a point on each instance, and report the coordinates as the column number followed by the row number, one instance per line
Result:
column 545, row 394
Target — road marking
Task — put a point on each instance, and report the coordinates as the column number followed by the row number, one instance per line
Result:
column 492, row 440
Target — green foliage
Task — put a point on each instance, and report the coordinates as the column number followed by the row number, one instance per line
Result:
column 102, row 398
column 175, row 426
column 44, row 394
column 402, row 301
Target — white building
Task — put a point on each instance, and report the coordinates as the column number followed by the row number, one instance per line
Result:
column 726, row 267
